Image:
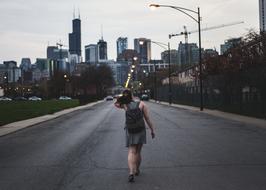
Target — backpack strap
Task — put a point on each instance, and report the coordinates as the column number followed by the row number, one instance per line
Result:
column 129, row 106
column 138, row 103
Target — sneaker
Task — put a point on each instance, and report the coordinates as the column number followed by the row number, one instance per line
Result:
column 131, row 178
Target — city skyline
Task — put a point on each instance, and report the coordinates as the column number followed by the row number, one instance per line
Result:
column 26, row 33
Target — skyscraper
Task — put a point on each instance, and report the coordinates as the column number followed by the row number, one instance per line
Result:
column 43, row 65
column 120, row 72
column 262, row 9
column 143, row 47
column 75, row 37
column 91, row 53
column 102, row 49
column 50, row 52
column 58, row 59
column 25, row 64
column 229, row 44
column 121, row 45
column 188, row 54
column 173, row 56
column 54, row 53
column 12, row 72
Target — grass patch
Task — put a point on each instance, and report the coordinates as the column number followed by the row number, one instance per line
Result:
column 12, row 111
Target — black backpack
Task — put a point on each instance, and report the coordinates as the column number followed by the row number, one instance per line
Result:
column 134, row 119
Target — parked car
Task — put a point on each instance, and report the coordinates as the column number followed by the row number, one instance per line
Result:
column 20, row 98
column 109, row 98
column 64, row 98
column 144, row 97
column 3, row 98
column 34, row 98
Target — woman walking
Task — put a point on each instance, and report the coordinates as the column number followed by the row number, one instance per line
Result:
column 136, row 112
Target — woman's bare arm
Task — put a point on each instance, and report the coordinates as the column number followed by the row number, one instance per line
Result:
column 147, row 118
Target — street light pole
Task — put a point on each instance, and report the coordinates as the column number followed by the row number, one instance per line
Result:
column 169, row 75
column 6, row 82
column 185, row 11
column 65, row 81
column 155, row 83
column 200, row 63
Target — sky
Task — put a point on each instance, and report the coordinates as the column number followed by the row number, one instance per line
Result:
column 29, row 26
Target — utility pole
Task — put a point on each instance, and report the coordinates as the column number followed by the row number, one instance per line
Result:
column 169, row 75
column 155, row 83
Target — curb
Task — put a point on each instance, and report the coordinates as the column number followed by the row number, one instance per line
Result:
column 18, row 125
column 225, row 115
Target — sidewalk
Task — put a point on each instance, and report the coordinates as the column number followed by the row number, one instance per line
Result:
column 12, row 127
column 226, row 115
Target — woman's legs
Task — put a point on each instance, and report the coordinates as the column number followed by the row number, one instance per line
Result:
column 132, row 159
column 139, row 147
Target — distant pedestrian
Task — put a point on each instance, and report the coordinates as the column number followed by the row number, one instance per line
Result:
column 136, row 112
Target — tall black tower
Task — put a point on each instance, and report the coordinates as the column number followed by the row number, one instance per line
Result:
column 102, row 49
column 75, row 37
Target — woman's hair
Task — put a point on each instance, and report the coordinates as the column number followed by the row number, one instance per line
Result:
column 126, row 98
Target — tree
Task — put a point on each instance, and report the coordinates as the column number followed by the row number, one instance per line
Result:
column 97, row 77
column 104, row 79
column 56, row 85
column 244, row 65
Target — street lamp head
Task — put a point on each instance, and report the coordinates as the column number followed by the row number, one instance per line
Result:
column 154, row 6
column 135, row 58
column 141, row 42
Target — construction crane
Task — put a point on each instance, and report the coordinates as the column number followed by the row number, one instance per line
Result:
column 186, row 33
column 60, row 44
column 60, row 49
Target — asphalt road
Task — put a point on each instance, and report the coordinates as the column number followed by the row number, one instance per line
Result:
column 85, row 150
